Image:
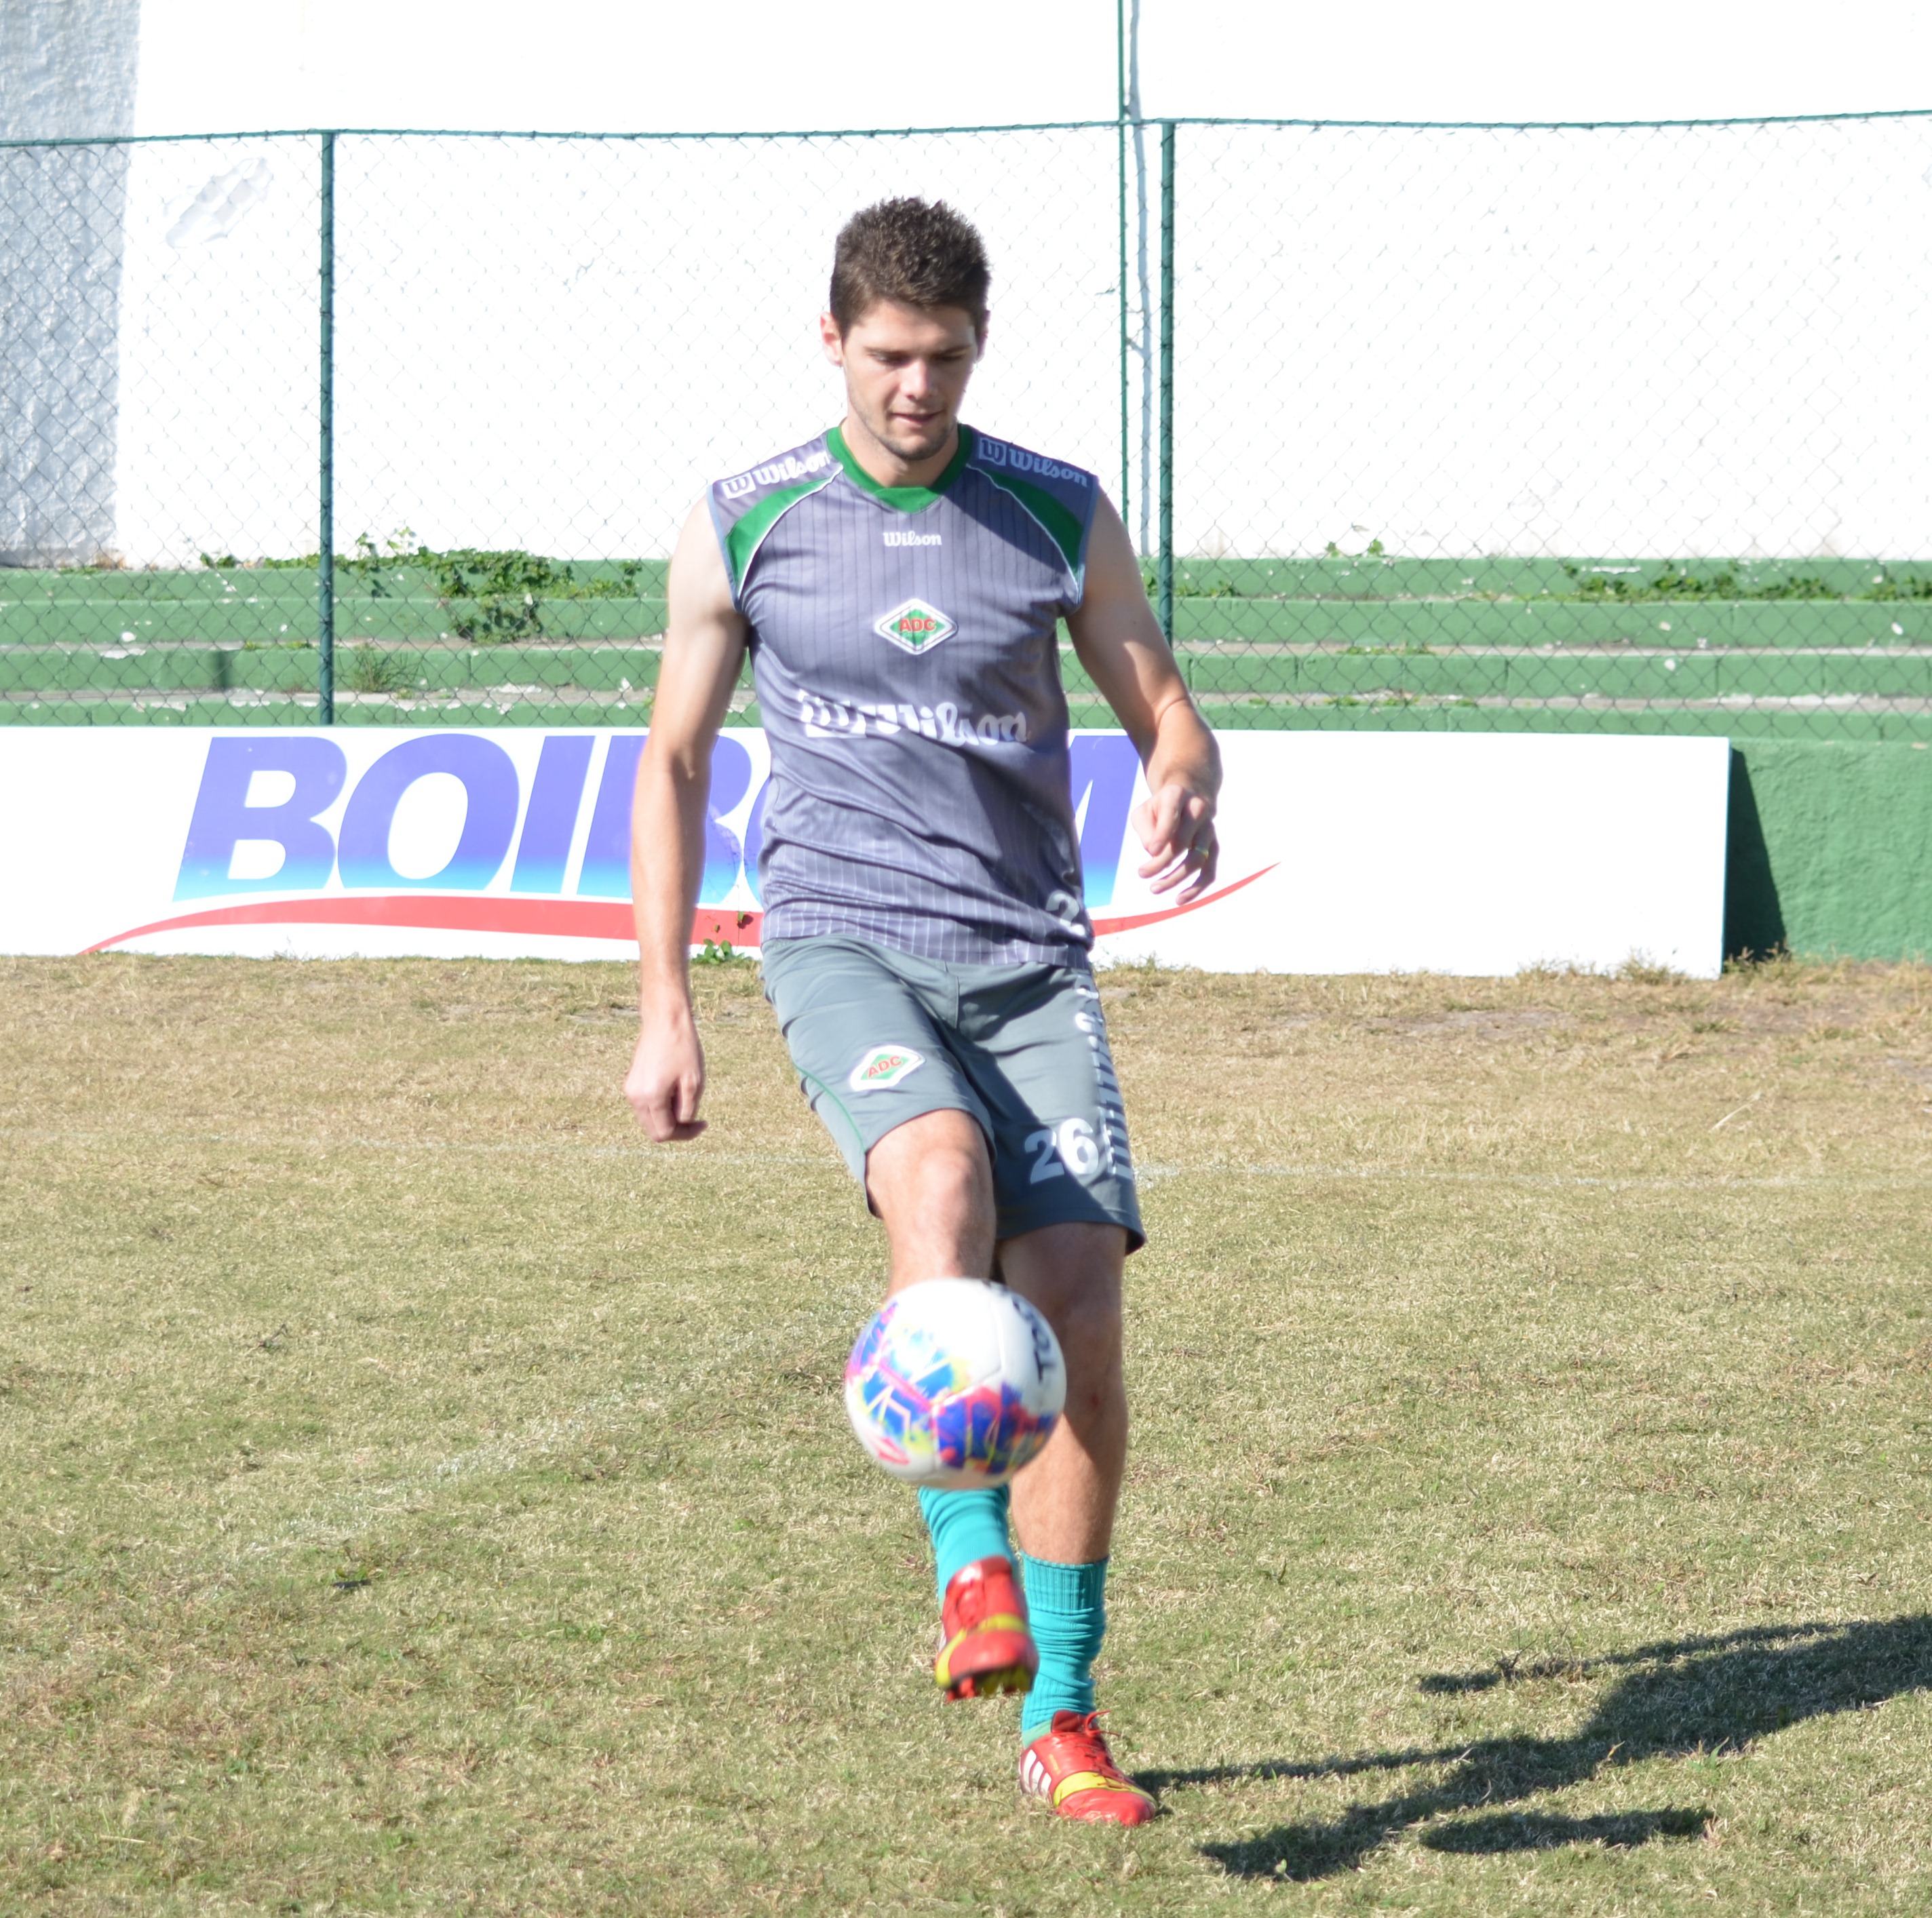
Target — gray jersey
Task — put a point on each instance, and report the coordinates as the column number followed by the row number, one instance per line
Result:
column 903, row 644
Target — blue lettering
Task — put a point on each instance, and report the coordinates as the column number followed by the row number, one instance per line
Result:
column 490, row 782
column 555, row 793
column 222, row 816
column 723, row 857
column 754, row 841
column 1104, row 765
column 607, row 852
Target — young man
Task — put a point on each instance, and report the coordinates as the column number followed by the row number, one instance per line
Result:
column 897, row 581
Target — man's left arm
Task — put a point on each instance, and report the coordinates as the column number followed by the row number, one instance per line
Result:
column 1117, row 640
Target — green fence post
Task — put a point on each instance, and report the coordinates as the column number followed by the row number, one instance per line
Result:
column 1121, row 156
column 1167, row 380
column 325, row 587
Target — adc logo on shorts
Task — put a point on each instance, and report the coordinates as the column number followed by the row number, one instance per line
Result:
column 914, row 627
column 884, row 1065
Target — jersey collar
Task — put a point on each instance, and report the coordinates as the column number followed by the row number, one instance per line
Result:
column 902, row 499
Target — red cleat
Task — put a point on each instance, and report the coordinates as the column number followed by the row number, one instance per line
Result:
column 987, row 1646
column 1069, row 1767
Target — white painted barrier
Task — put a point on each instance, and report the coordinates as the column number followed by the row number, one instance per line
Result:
column 1342, row 852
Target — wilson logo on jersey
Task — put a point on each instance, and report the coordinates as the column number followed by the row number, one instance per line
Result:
column 1017, row 459
column 914, row 627
column 790, row 468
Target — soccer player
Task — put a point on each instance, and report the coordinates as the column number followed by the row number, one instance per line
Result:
column 897, row 581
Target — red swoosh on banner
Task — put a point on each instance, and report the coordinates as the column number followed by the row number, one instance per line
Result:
column 1133, row 921
column 557, row 918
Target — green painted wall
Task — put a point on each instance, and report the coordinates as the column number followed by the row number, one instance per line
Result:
column 1831, row 849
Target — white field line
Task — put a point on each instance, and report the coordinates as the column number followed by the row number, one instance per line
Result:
column 682, row 1157
column 1611, row 1183
column 642, row 1151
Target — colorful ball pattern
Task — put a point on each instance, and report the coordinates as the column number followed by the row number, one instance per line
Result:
column 956, row 1383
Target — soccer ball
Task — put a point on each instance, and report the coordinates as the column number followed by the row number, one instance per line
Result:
column 956, row 1383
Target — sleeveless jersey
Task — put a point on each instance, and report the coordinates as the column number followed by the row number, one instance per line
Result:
column 903, row 649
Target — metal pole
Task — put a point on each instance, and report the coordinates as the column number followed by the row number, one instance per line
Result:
column 1167, row 380
column 1144, row 544
column 325, row 586
column 1120, row 143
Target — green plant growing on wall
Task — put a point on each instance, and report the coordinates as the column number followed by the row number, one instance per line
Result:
column 364, row 571
column 492, row 598
column 1884, row 587
column 367, row 669
column 1677, row 583
column 489, row 596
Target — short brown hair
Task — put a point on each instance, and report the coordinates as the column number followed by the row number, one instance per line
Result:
column 920, row 252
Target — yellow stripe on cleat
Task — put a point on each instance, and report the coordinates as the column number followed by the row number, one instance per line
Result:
column 988, row 1681
column 1079, row 1782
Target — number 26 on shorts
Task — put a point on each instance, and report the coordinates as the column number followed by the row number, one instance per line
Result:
column 1069, row 1146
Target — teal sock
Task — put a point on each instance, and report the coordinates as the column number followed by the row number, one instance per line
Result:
column 1067, row 1607
column 965, row 1526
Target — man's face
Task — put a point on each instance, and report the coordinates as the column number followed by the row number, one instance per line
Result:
column 906, row 370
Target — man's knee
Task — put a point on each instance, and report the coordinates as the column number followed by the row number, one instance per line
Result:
column 1072, row 1273
column 947, row 1179
column 1089, row 1330
column 1088, row 1327
column 932, row 1167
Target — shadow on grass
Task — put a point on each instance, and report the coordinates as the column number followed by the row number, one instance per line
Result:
column 1682, row 1698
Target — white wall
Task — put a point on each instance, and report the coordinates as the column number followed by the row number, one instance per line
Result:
column 1669, row 344
column 557, row 346
column 67, row 70
column 210, row 66
column 1674, row 343
column 1516, row 60
column 618, row 66
column 67, row 67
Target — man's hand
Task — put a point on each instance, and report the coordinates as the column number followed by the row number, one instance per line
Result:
column 1176, row 824
column 666, row 1080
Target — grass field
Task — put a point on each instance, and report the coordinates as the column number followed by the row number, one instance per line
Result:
column 422, row 1495
column 1819, row 647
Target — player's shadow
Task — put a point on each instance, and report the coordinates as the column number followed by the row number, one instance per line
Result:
column 1683, row 1697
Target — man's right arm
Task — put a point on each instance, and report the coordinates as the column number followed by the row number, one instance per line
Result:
column 704, row 648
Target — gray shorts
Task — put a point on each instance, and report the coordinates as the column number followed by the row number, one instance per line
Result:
column 879, row 1037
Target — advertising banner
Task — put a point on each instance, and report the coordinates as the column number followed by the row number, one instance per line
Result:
column 1342, row 851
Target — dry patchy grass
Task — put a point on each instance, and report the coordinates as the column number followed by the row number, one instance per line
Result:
column 423, row 1494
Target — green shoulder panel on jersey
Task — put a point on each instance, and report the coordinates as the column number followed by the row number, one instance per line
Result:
column 1059, row 497
column 745, row 507
column 743, row 541
column 1058, row 524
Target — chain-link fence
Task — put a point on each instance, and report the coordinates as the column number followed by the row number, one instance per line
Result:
column 1584, row 428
